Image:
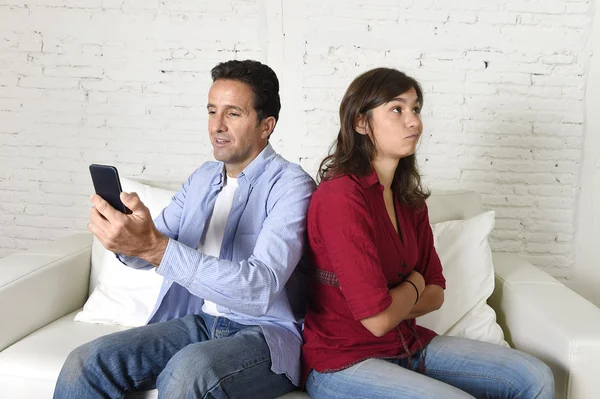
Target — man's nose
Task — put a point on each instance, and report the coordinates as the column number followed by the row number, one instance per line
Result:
column 216, row 124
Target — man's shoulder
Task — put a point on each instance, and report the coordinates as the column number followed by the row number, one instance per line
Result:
column 206, row 172
column 283, row 172
column 210, row 166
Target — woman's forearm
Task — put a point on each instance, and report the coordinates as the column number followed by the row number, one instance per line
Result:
column 430, row 300
column 403, row 298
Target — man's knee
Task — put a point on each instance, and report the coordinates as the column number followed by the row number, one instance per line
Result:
column 189, row 373
column 105, row 353
column 79, row 361
column 206, row 367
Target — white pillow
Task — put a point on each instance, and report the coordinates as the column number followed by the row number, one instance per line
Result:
column 466, row 257
column 480, row 324
column 120, row 294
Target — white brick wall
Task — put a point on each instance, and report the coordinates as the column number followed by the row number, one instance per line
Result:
column 587, row 268
column 124, row 82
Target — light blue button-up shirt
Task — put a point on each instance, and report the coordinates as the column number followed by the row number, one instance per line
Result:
column 255, row 279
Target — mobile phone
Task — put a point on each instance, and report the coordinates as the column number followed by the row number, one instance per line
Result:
column 108, row 186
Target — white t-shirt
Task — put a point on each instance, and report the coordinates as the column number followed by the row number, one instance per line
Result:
column 210, row 243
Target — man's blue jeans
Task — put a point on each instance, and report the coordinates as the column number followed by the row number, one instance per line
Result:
column 454, row 368
column 197, row 356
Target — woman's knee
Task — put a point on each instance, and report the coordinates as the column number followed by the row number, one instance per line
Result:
column 544, row 382
column 539, row 380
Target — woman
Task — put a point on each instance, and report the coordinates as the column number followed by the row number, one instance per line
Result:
column 375, row 269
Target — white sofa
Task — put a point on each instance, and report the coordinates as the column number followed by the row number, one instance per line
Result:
column 42, row 289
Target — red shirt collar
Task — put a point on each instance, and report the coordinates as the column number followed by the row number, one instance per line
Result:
column 368, row 180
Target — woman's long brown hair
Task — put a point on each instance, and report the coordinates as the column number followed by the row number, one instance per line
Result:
column 353, row 152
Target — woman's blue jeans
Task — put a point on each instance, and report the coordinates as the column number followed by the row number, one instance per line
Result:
column 454, row 368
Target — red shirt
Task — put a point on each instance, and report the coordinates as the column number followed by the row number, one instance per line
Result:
column 357, row 258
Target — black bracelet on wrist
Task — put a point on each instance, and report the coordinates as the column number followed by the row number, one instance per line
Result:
column 416, row 290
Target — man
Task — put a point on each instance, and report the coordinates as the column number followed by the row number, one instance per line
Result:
column 225, row 323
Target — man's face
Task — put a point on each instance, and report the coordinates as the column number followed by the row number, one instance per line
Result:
column 235, row 133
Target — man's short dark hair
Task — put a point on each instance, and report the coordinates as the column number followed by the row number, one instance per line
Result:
column 261, row 79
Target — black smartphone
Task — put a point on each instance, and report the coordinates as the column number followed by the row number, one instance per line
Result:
column 108, row 186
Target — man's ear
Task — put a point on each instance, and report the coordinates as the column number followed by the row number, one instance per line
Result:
column 267, row 127
column 360, row 124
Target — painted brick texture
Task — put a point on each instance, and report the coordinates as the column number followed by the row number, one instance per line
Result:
column 124, row 82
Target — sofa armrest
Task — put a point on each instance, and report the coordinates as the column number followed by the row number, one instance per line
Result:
column 43, row 284
column 541, row 316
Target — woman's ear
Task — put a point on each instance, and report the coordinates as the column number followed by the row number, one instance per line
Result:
column 360, row 124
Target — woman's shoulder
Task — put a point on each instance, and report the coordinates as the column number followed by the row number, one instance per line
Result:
column 339, row 186
column 415, row 212
column 339, row 194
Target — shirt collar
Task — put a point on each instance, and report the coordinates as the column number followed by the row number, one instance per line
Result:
column 253, row 171
column 368, row 180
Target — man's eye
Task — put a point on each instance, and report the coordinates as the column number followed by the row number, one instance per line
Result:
column 211, row 112
column 234, row 114
column 417, row 110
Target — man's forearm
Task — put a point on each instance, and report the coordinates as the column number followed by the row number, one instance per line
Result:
column 156, row 250
column 430, row 300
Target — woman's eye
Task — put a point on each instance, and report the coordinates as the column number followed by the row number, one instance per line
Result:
column 396, row 109
column 417, row 110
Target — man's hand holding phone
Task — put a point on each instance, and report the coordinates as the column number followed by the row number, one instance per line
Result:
column 121, row 221
column 128, row 234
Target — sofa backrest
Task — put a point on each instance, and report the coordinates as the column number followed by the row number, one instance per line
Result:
column 443, row 205
column 453, row 205
column 164, row 184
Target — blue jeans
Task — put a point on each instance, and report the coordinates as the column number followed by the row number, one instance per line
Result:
column 196, row 356
column 454, row 368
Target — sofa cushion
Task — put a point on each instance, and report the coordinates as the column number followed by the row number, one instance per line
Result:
column 123, row 295
column 119, row 294
column 30, row 367
column 464, row 251
column 453, row 205
column 36, row 360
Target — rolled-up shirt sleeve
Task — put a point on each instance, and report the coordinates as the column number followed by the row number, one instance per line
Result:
column 340, row 222
column 167, row 223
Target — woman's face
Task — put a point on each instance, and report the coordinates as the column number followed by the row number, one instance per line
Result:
column 396, row 126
